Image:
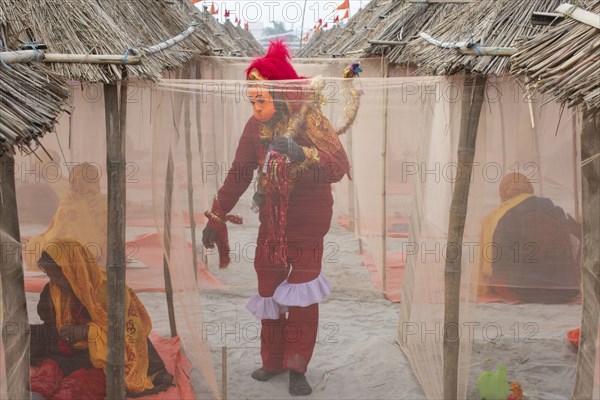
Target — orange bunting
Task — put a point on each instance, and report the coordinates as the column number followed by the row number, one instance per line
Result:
column 344, row 6
column 345, row 15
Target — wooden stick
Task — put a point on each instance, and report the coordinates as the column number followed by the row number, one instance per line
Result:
column 15, row 324
column 386, row 42
column 200, row 144
column 351, row 194
column 579, row 14
column 171, row 42
column 575, row 167
column 115, row 260
column 177, row 109
column 473, row 94
column 167, row 241
column 26, row 56
column 488, row 51
column 468, row 48
column 224, row 372
column 384, row 188
column 590, row 270
column 190, row 182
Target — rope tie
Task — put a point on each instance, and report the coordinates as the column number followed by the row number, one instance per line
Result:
column 127, row 52
column 131, row 50
column 35, row 48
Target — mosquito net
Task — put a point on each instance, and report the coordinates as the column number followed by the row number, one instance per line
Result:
column 520, row 283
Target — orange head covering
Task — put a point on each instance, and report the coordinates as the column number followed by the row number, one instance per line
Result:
column 85, row 179
column 88, row 284
column 513, row 185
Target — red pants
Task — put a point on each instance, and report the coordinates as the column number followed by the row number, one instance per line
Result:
column 47, row 380
column 288, row 343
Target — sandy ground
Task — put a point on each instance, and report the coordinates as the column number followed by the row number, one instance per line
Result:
column 356, row 356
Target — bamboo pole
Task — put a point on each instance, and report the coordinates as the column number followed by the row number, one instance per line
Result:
column 171, row 42
column 590, row 273
column 384, row 189
column 351, row 206
column 115, row 260
column 579, row 14
column 469, row 48
column 25, row 56
column 15, row 324
column 190, row 182
column 167, row 241
column 575, row 168
column 200, row 143
column 224, row 373
column 177, row 109
column 472, row 101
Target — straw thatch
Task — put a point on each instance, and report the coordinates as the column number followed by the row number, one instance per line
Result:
column 106, row 27
column 320, row 43
column 246, row 44
column 31, row 98
column 362, row 27
column 409, row 21
column 227, row 39
column 383, row 28
column 564, row 61
column 500, row 23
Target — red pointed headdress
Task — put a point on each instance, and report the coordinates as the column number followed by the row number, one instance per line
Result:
column 276, row 65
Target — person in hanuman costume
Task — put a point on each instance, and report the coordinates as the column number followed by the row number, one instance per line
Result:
column 298, row 155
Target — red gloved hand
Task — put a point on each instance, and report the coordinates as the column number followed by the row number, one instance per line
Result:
column 215, row 232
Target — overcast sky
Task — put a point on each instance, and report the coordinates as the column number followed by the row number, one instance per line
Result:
column 289, row 12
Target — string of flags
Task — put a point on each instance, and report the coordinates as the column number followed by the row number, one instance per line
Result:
column 227, row 14
column 345, row 6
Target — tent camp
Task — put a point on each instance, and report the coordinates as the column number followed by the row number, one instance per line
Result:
column 436, row 131
column 517, row 127
column 564, row 62
column 110, row 54
column 31, row 98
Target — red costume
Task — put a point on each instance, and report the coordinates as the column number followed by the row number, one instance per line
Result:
column 304, row 203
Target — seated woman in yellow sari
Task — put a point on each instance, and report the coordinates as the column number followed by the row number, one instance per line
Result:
column 68, row 351
column 81, row 214
column 528, row 248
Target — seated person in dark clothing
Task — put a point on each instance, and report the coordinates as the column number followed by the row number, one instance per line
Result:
column 529, row 248
column 68, row 351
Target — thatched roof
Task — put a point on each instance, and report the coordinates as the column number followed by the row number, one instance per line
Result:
column 499, row 23
column 226, row 39
column 320, row 43
column 564, row 61
column 362, row 27
column 104, row 27
column 31, row 98
column 246, row 44
column 410, row 20
column 395, row 22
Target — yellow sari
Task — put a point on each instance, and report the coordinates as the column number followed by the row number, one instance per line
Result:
column 88, row 284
